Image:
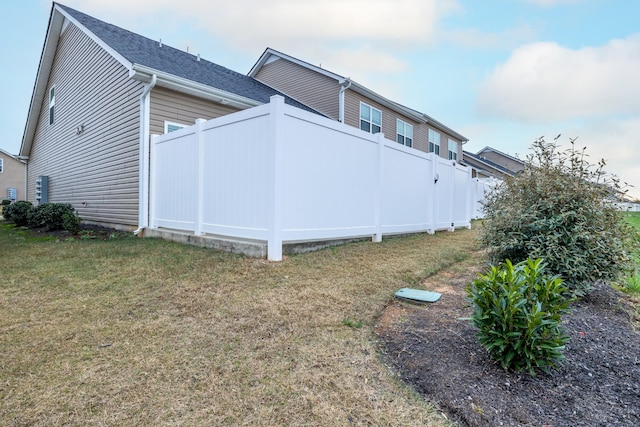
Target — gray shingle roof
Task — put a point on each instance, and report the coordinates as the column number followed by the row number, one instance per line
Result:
column 143, row 51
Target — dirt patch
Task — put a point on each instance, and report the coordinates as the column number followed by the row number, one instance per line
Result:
column 597, row 385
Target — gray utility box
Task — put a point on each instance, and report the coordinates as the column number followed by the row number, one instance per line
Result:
column 42, row 190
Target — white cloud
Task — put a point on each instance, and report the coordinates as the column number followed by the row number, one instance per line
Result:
column 547, row 82
column 347, row 27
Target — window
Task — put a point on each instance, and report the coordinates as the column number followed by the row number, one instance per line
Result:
column 453, row 150
column 52, row 103
column 434, row 142
column 404, row 133
column 172, row 127
column 1, row 165
column 370, row 119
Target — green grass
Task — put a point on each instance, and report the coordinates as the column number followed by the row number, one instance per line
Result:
column 149, row 332
column 632, row 281
column 634, row 219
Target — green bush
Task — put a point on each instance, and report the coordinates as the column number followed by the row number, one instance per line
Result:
column 54, row 216
column 517, row 311
column 560, row 208
column 18, row 212
column 6, row 202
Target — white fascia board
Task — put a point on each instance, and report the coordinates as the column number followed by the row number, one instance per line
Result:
column 269, row 52
column 180, row 84
column 414, row 115
column 445, row 128
column 56, row 21
column 121, row 59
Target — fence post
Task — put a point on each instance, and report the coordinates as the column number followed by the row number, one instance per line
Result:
column 200, row 183
column 377, row 203
column 152, row 182
column 468, row 205
column 433, row 191
column 274, row 141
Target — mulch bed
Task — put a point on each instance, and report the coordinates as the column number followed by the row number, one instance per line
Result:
column 598, row 384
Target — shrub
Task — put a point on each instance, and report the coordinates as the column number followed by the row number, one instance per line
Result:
column 6, row 202
column 54, row 216
column 18, row 212
column 560, row 208
column 517, row 311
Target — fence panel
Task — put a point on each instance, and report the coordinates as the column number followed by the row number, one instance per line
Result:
column 329, row 180
column 276, row 173
column 407, row 192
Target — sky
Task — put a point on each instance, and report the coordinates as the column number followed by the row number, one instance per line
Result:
column 500, row 72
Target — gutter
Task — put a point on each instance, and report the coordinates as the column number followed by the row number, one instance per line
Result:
column 143, row 186
column 343, row 89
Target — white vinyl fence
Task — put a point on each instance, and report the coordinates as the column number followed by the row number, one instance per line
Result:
column 278, row 174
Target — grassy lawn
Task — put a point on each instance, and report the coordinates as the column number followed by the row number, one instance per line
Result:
column 148, row 332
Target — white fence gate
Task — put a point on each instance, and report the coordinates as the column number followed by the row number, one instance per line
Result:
column 275, row 173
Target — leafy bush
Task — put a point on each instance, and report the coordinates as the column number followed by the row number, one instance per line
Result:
column 18, row 212
column 54, row 216
column 517, row 311
column 560, row 208
column 6, row 202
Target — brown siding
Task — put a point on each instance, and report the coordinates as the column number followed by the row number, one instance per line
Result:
column 12, row 176
column 309, row 87
column 97, row 170
column 177, row 107
column 503, row 161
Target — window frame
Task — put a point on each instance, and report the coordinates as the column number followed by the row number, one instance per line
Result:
column 434, row 147
column 52, row 104
column 168, row 123
column 453, row 155
column 1, row 165
column 370, row 121
column 401, row 137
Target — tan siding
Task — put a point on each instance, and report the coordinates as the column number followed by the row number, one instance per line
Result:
column 309, row 87
column 177, row 107
column 96, row 171
column 503, row 161
column 12, row 176
column 389, row 117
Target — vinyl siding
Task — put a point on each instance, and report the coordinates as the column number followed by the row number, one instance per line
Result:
column 12, row 176
column 97, row 170
column 503, row 161
column 180, row 108
column 313, row 89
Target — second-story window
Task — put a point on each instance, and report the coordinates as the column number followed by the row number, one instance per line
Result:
column 434, row 142
column 370, row 118
column 453, row 150
column 404, row 133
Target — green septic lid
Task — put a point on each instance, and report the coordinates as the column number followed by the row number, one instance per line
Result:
column 418, row 295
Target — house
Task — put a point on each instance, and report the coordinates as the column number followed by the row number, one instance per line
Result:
column 100, row 91
column 12, row 177
column 490, row 162
column 349, row 102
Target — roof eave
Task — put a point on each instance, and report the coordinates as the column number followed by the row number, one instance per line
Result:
column 56, row 20
column 143, row 74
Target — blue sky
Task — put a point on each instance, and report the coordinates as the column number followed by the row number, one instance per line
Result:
column 501, row 72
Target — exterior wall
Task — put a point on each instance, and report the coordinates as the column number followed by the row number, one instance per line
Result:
column 389, row 117
column 180, row 108
column 95, row 170
column 501, row 160
column 313, row 89
column 12, row 176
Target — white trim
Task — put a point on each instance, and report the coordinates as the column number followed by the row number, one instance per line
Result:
column 405, row 127
column 121, row 59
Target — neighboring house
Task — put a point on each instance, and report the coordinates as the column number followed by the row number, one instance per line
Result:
column 345, row 100
column 100, row 91
column 12, row 177
column 490, row 162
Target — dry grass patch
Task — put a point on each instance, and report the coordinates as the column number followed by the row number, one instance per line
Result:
column 147, row 332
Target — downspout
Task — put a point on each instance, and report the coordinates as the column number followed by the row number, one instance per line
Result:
column 143, row 179
column 343, row 89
